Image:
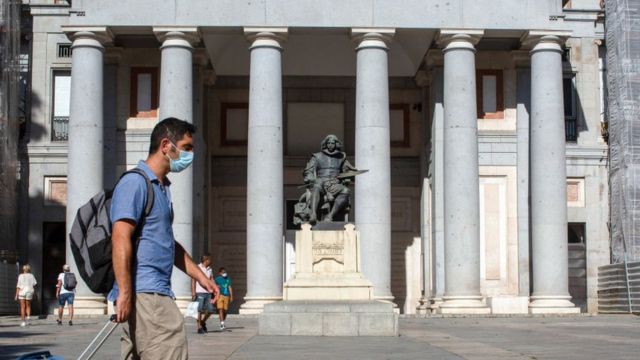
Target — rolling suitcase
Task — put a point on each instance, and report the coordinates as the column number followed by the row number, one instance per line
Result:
column 100, row 338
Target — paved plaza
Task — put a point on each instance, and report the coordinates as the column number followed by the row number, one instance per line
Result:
column 577, row 337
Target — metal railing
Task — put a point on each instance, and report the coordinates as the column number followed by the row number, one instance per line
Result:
column 571, row 129
column 60, row 128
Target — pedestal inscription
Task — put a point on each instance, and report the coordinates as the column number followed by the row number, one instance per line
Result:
column 328, row 266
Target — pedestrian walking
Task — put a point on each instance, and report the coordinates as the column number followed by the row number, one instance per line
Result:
column 25, row 290
column 226, row 295
column 202, row 296
column 66, row 292
column 144, row 256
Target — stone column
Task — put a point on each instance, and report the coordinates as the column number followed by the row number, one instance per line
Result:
column 85, row 144
column 176, row 100
column 373, row 189
column 436, row 169
column 461, row 185
column 423, row 80
column 265, row 187
column 523, row 101
column 548, row 178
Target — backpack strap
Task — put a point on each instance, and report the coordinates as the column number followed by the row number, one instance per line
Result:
column 150, row 194
column 148, row 206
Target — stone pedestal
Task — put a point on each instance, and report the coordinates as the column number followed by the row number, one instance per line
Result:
column 328, row 266
column 328, row 295
column 329, row 318
column 508, row 304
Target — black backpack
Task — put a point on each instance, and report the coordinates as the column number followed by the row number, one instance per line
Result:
column 69, row 281
column 91, row 237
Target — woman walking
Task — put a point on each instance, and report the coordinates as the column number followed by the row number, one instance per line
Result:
column 24, row 293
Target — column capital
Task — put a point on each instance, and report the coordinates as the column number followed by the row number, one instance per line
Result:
column 273, row 37
column 450, row 39
column 543, row 40
column 177, row 36
column 89, row 36
column 372, row 37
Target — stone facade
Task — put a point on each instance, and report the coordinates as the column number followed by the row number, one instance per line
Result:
column 456, row 164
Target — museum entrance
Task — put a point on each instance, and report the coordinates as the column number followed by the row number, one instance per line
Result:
column 54, row 256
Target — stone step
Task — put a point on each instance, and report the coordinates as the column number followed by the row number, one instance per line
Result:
column 328, row 318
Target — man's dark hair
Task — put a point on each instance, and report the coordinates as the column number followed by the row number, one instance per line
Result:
column 169, row 128
column 222, row 268
column 204, row 257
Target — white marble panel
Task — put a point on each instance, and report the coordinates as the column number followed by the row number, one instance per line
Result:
column 498, row 231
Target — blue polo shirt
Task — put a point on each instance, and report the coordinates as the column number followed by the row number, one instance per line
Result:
column 154, row 259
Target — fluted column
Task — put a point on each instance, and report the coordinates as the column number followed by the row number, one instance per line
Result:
column 85, row 144
column 372, row 152
column 548, row 178
column 176, row 100
column 265, row 212
column 461, row 184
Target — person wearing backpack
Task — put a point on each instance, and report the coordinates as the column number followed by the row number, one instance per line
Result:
column 143, row 264
column 65, row 292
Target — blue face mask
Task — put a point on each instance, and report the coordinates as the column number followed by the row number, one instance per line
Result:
column 183, row 161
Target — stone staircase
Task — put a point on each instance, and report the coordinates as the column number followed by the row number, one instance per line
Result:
column 619, row 288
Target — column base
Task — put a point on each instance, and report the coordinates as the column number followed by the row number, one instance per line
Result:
column 389, row 300
column 254, row 305
column 424, row 308
column 89, row 305
column 552, row 304
column 463, row 305
column 435, row 304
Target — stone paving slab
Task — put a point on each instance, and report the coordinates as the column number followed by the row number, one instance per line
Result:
column 580, row 338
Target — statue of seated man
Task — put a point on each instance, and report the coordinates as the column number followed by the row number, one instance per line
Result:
column 326, row 177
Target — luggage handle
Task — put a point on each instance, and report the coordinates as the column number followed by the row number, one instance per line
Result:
column 113, row 324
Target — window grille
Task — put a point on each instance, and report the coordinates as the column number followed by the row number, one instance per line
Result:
column 64, row 50
column 570, row 108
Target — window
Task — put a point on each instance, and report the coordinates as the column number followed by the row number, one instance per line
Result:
column 234, row 124
column 399, row 125
column 575, row 192
column 61, row 102
column 575, row 233
column 55, row 191
column 489, row 95
column 144, row 92
column 570, row 109
column 64, row 50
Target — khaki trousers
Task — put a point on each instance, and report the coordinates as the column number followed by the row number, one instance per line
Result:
column 155, row 330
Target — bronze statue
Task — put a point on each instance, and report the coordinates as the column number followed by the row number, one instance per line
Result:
column 326, row 178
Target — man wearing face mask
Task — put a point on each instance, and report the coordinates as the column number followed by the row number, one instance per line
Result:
column 154, row 326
